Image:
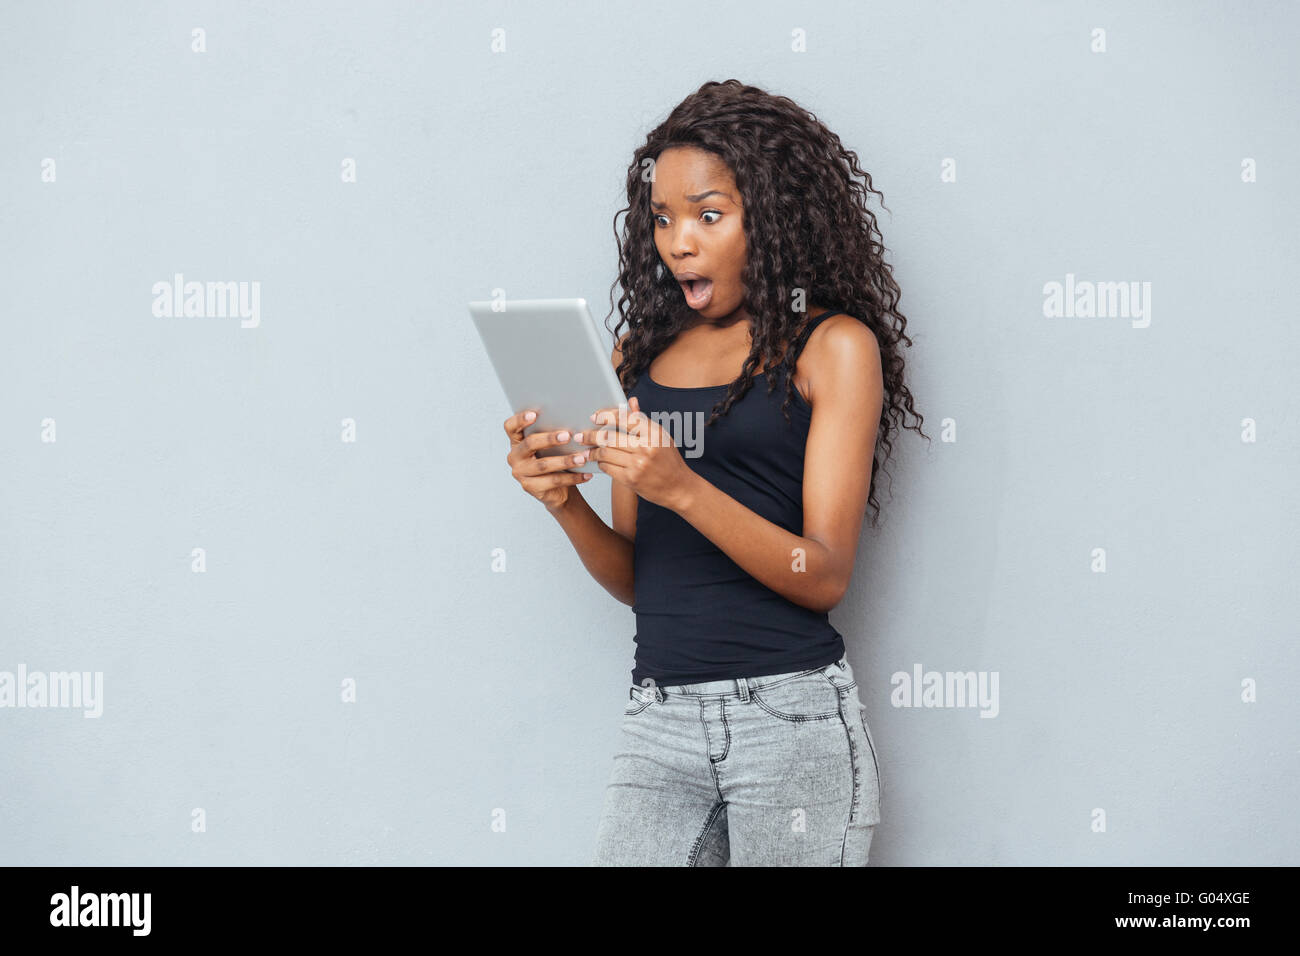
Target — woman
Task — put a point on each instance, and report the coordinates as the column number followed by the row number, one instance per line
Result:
column 762, row 370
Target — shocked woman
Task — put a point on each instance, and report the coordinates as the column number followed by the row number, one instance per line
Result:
column 763, row 335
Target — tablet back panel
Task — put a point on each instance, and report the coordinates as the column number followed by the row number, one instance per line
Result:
column 548, row 355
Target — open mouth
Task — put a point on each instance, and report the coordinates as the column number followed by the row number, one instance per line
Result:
column 699, row 292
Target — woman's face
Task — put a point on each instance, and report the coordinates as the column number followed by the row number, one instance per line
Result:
column 699, row 229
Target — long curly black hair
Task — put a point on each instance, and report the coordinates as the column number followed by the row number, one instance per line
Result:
column 807, row 229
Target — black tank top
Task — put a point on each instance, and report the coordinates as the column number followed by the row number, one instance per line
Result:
column 699, row 615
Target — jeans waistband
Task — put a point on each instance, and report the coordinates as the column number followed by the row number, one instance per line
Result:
column 738, row 687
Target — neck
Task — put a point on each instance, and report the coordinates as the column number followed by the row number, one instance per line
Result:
column 732, row 320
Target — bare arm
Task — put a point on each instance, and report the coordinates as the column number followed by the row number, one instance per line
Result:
column 812, row 569
column 605, row 553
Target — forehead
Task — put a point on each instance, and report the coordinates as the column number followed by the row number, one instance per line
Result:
column 682, row 171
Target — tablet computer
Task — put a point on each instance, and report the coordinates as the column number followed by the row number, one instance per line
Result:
column 548, row 356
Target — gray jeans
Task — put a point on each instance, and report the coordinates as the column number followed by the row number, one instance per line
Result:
column 759, row 771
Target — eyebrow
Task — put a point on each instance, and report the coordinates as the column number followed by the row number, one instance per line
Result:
column 704, row 195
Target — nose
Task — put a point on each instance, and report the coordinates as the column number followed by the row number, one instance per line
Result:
column 683, row 243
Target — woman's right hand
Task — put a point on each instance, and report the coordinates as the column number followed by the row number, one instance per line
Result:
column 545, row 478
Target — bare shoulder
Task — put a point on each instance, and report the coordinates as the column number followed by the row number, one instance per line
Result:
column 840, row 354
column 617, row 355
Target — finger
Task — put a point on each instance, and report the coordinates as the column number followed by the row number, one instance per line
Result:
column 610, row 455
column 638, row 423
column 607, row 416
column 621, row 419
column 517, row 422
column 548, row 439
column 546, row 482
column 609, row 437
column 536, row 441
column 620, row 473
column 650, row 432
column 544, row 464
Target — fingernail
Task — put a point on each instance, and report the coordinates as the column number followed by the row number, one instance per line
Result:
column 577, row 436
column 579, row 459
column 563, row 436
column 530, row 416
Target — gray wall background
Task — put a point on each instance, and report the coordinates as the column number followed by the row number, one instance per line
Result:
column 480, row 691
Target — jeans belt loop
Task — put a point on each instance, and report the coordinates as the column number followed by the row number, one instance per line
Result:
column 742, row 687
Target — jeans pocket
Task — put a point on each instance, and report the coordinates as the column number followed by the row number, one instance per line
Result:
column 805, row 696
column 639, row 698
column 840, row 674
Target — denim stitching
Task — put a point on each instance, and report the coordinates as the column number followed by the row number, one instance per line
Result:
column 792, row 717
column 875, row 761
column 726, row 729
column 726, row 743
column 842, row 687
column 708, row 752
column 854, row 804
column 693, row 857
column 757, row 698
column 757, row 683
column 866, row 734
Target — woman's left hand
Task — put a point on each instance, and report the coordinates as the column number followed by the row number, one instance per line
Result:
column 634, row 450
